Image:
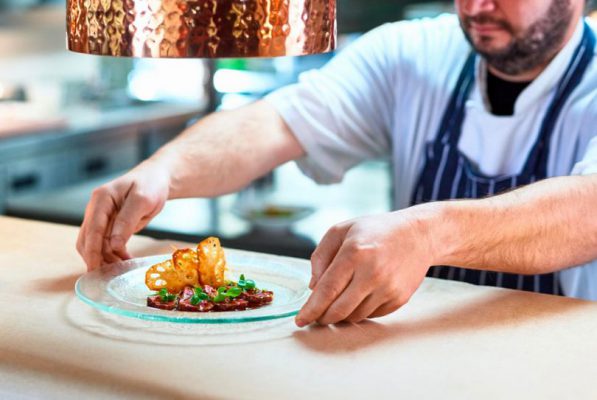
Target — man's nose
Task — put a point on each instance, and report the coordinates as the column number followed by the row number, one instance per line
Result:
column 475, row 7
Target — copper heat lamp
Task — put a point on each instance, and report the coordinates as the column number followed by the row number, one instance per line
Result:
column 201, row 28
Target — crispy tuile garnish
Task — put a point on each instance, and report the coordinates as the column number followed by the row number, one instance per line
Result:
column 173, row 276
column 188, row 267
column 212, row 262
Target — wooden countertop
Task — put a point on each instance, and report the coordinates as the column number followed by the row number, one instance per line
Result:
column 452, row 341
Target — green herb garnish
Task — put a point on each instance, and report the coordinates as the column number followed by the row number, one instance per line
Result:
column 165, row 296
column 234, row 292
column 199, row 296
column 250, row 284
column 246, row 284
column 219, row 298
column 227, row 292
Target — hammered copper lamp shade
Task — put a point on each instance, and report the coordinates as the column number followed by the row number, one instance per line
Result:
column 201, row 29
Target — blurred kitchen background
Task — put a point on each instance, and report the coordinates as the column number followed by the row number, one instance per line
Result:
column 70, row 122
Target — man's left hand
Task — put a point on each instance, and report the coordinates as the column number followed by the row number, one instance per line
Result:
column 368, row 267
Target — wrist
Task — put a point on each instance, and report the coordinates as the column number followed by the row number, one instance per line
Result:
column 429, row 222
column 161, row 167
column 445, row 229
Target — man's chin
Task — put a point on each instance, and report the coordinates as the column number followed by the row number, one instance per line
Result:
column 489, row 45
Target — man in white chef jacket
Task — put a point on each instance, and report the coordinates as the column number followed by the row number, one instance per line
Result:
column 490, row 119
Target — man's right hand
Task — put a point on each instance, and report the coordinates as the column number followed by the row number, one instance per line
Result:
column 119, row 209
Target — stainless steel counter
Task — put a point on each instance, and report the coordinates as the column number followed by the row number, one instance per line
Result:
column 95, row 142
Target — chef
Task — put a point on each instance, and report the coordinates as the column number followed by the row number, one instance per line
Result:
column 490, row 119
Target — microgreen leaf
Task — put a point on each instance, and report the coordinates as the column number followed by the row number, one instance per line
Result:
column 234, row 292
column 250, row 284
column 219, row 298
column 165, row 296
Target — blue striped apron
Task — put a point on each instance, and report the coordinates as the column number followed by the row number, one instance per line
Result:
column 448, row 174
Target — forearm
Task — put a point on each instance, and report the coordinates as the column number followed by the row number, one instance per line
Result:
column 541, row 228
column 225, row 151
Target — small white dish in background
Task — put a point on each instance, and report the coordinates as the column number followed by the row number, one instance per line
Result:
column 273, row 216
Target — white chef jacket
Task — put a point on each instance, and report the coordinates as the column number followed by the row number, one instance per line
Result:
column 385, row 95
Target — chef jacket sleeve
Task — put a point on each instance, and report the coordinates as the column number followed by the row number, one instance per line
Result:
column 341, row 113
column 581, row 281
column 586, row 154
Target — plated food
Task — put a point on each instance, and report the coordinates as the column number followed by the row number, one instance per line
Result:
column 194, row 280
column 120, row 288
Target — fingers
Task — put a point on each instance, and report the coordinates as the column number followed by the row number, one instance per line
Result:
column 333, row 282
column 353, row 287
column 385, row 309
column 135, row 208
column 345, row 304
column 108, row 254
column 373, row 306
column 119, row 209
column 365, row 268
column 94, row 228
column 326, row 251
column 93, row 242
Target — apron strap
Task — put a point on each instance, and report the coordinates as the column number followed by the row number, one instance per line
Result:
column 449, row 129
column 442, row 176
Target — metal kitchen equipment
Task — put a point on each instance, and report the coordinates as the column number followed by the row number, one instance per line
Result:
column 201, row 28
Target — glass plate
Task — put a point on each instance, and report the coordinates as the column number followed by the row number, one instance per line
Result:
column 119, row 288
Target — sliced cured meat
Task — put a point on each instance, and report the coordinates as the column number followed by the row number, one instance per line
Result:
column 185, row 303
column 231, row 305
column 202, row 306
column 187, row 292
column 211, row 292
column 249, row 298
column 156, row 302
column 257, row 298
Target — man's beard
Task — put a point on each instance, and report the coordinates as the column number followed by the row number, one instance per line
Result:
column 532, row 48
